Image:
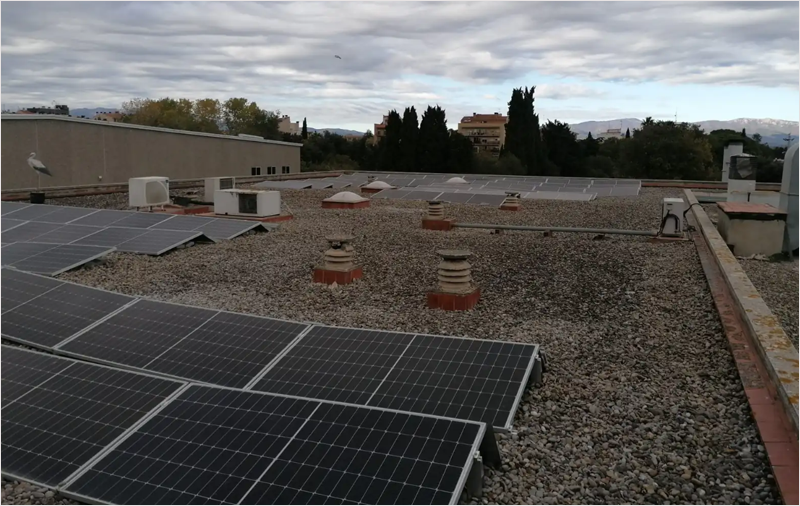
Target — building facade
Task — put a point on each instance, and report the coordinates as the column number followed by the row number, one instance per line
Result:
column 487, row 132
column 286, row 126
column 380, row 130
column 87, row 152
column 111, row 117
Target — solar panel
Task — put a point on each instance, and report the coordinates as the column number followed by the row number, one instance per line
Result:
column 20, row 287
column 57, row 258
column 66, row 234
column 210, row 445
column 19, row 251
column 321, row 184
column 23, row 371
column 28, row 231
column 102, row 218
column 158, row 242
column 186, row 223
column 31, row 212
column 138, row 334
column 224, row 228
column 10, row 207
column 54, row 428
column 8, row 223
column 469, row 379
column 460, row 198
column 142, row 220
column 390, row 194
column 487, row 200
column 229, row 349
column 421, row 195
column 66, row 214
column 336, row 364
column 57, row 313
column 338, row 185
column 111, row 236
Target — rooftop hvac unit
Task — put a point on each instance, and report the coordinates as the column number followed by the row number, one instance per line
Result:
column 247, row 203
column 672, row 217
column 148, row 191
column 217, row 183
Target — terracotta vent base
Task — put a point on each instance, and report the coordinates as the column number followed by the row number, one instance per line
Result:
column 443, row 225
column 453, row 301
column 345, row 205
column 510, row 207
column 339, row 277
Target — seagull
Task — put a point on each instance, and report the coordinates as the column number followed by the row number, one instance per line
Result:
column 39, row 167
column 337, row 56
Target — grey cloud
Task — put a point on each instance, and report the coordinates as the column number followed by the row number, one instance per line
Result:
column 94, row 53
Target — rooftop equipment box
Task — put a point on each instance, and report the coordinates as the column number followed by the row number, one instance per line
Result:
column 254, row 203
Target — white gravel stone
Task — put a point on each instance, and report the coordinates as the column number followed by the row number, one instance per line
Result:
column 642, row 402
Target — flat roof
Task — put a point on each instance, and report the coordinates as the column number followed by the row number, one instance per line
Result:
column 57, row 117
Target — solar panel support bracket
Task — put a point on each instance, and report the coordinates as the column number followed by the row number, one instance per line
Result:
column 490, row 453
column 474, row 484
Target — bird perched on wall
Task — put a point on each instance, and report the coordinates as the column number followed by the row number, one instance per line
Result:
column 337, row 56
column 39, row 167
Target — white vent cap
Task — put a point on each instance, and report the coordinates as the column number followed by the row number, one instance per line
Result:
column 346, row 198
column 383, row 185
column 457, row 180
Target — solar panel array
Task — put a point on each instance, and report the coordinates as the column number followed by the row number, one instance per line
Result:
column 126, row 231
column 418, row 186
column 104, row 435
column 446, row 376
column 49, row 259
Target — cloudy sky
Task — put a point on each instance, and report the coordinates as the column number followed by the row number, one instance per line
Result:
column 589, row 61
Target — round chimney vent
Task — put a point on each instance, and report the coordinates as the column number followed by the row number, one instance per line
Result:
column 457, row 180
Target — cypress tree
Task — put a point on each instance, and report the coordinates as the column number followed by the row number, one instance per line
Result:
column 390, row 144
column 433, row 144
column 515, row 127
column 627, row 133
column 409, row 138
column 304, row 133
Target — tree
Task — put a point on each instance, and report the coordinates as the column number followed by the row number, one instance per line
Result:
column 434, row 141
column 390, row 144
column 515, row 127
column 462, row 155
column 744, row 133
column 304, row 132
column 208, row 115
column 535, row 161
column 241, row 116
column 590, row 146
column 627, row 133
column 757, row 138
column 409, row 136
column 668, row 150
column 561, row 148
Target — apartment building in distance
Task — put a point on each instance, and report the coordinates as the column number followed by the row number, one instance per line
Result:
column 486, row 131
column 112, row 117
column 380, row 130
column 286, row 126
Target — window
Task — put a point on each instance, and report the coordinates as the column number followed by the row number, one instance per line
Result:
column 271, row 171
column 285, row 169
column 255, row 171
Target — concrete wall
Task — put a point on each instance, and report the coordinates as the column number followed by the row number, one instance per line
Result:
column 85, row 152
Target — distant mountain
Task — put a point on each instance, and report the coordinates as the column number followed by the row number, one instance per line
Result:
column 768, row 128
column 338, row 131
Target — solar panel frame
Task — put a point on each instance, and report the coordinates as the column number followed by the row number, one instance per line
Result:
column 31, row 212
column 102, row 218
column 111, row 236
column 183, row 222
column 130, row 442
column 142, row 220
column 61, row 258
column 65, row 214
column 28, row 231
column 67, row 234
column 20, row 287
column 227, row 229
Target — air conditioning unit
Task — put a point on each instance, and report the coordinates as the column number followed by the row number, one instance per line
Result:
column 148, row 191
column 672, row 217
column 256, row 203
column 218, row 183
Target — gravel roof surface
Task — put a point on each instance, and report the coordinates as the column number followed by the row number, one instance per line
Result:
column 642, row 402
column 777, row 282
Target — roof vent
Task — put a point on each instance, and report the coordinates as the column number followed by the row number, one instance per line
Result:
column 511, row 203
column 456, row 290
column 345, row 200
column 375, row 185
column 435, row 210
column 457, row 180
column 338, row 266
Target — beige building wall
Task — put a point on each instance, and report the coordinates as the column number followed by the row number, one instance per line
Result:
column 85, row 152
column 486, row 131
column 286, row 126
